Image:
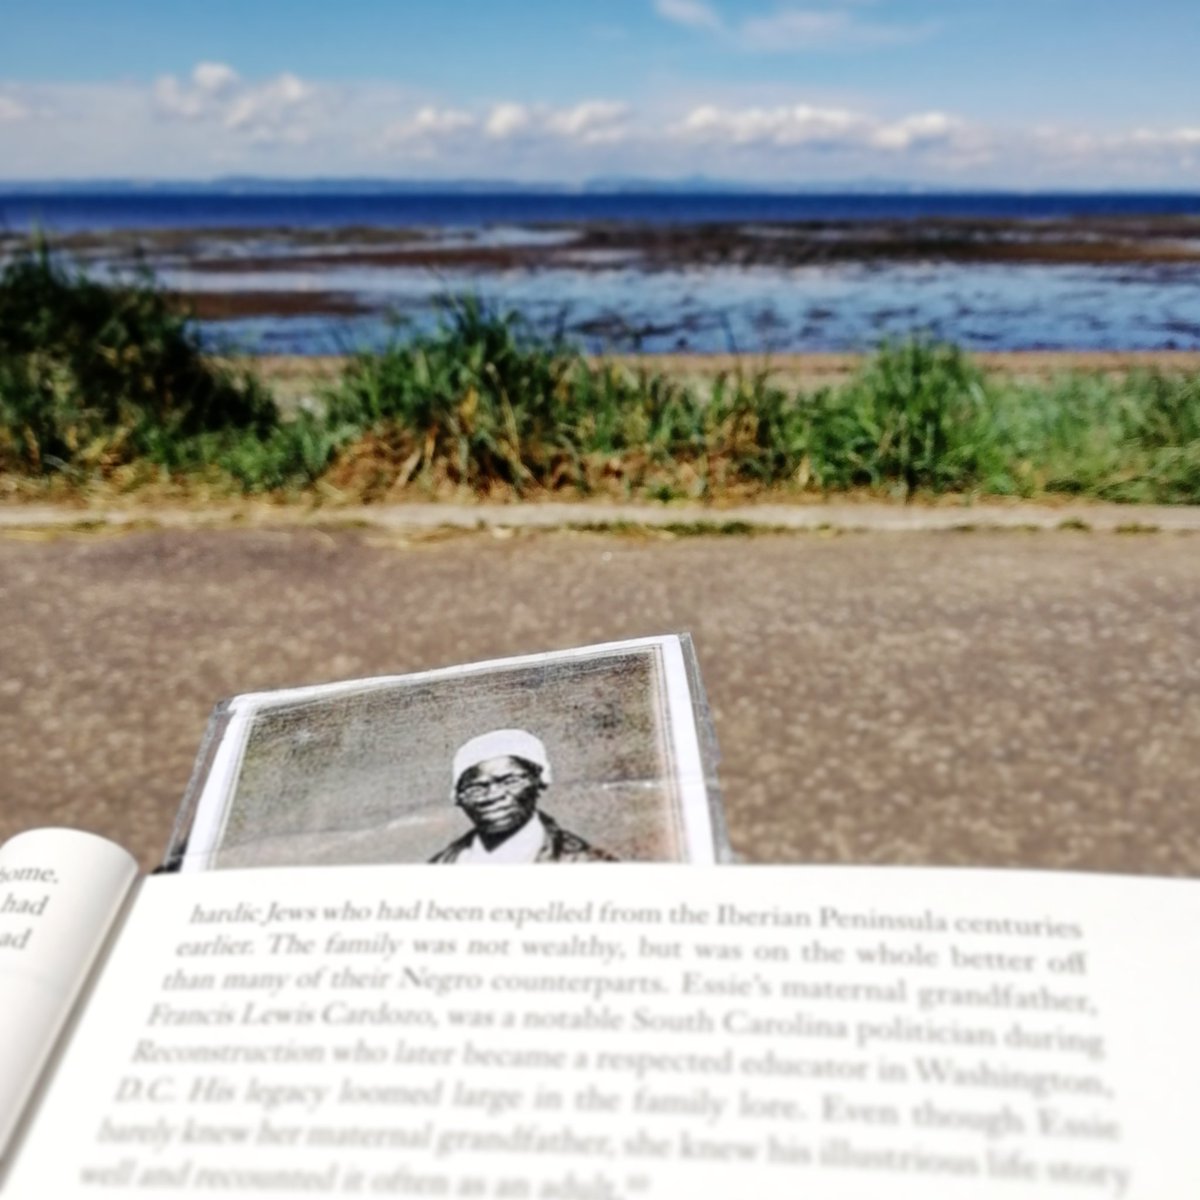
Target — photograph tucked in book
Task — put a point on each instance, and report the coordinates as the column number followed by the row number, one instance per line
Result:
column 350, row 1021
column 598, row 754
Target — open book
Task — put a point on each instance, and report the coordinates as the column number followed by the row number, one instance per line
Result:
column 620, row 1029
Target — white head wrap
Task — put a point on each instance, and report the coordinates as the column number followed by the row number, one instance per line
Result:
column 500, row 743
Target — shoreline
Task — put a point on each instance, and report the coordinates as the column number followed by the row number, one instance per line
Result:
column 596, row 244
column 294, row 376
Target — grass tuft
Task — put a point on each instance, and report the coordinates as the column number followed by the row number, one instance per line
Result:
column 95, row 375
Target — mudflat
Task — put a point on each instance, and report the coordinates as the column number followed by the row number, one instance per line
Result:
column 993, row 698
column 596, row 244
column 1093, row 280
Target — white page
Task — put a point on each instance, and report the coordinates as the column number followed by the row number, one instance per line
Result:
column 562, row 1034
column 60, row 890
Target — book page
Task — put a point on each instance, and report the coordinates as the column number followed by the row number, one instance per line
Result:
column 59, row 893
column 636, row 1031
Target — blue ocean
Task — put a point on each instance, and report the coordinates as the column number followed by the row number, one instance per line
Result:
column 74, row 211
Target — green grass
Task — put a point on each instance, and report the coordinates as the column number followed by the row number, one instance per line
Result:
column 93, row 375
column 482, row 406
column 108, row 381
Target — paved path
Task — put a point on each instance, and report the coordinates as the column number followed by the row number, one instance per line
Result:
column 840, row 517
column 994, row 697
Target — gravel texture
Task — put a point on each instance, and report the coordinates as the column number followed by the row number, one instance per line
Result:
column 991, row 698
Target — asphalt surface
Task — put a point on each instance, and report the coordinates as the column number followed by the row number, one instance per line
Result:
column 990, row 697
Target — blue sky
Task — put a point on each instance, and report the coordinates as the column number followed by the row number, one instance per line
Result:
column 1014, row 93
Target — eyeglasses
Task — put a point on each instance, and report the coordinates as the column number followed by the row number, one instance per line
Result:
column 501, row 783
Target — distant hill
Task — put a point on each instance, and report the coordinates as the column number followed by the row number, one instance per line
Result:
column 256, row 185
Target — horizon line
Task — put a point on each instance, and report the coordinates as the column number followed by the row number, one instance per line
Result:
column 601, row 184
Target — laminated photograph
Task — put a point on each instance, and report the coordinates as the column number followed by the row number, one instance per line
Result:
column 596, row 754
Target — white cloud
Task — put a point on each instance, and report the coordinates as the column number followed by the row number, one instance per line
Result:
column 789, row 125
column 694, row 14
column 13, row 110
column 279, row 109
column 215, row 79
column 792, row 29
column 213, row 121
column 175, row 100
column 508, row 120
column 430, row 124
column 803, row 127
column 274, row 109
column 1168, row 137
column 921, row 129
column 591, row 122
column 201, row 97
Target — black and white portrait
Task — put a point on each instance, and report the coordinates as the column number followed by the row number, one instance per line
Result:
column 590, row 755
column 499, row 778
